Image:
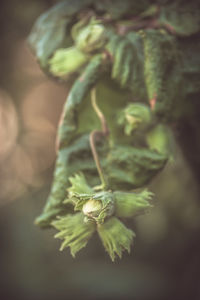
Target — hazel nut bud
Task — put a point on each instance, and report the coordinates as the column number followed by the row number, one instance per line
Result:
column 92, row 208
column 91, row 38
column 135, row 116
column 99, row 207
column 67, row 61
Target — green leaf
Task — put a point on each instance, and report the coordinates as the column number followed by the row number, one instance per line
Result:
column 132, row 204
column 162, row 70
column 74, row 231
column 183, row 19
column 128, row 167
column 115, row 237
column 65, row 135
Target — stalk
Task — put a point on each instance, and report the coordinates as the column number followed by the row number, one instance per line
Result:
column 96, row 134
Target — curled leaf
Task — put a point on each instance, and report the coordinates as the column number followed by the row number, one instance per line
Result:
column 140, row 165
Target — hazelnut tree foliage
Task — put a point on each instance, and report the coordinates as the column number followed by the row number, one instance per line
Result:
column 129, row 64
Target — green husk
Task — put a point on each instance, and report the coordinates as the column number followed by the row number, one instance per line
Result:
column 74, row 231
column 91, row 38
column 79, row 185
column 132, row 204
column 67, row 61
column 135, row 116
column 115, row 237
column 95, row 205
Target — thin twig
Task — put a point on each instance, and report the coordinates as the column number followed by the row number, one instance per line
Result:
column 97, row 133
column 99, row 113
column 93, row 136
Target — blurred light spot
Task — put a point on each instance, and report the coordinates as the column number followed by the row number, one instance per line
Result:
column 44, row 101
column 25, row 61
column 8, row 125
column 40, row 111
column 26, row 154
column 40, row 147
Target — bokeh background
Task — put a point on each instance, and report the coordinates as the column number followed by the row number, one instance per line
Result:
column 165, row 259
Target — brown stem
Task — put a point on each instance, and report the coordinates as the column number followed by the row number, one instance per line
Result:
column 97, row 133
column 94, row 134
column 105, row 130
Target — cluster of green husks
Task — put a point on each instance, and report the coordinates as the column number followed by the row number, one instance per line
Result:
column 99, row 211
column 88, row 39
